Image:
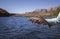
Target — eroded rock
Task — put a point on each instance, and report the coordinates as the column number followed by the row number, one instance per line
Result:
column 39, row 20
column 4, row 13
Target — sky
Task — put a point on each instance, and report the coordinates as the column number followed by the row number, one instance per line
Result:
column 22, row 6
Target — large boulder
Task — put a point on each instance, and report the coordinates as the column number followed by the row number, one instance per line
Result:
column 3, row 13
column 39, row 20
column 35, row 20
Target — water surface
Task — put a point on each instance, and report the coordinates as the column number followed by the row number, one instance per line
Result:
column 22, row 28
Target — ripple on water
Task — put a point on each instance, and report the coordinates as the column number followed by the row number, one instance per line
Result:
column 22, row 28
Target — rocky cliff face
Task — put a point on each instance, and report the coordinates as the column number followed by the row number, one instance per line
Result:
column 3, row 13
column 41, row 10
column 50, row 10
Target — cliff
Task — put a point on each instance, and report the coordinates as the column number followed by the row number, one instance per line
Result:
column 4, row 13
column 44, row 12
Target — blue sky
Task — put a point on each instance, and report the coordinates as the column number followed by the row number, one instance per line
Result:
column 21, row 6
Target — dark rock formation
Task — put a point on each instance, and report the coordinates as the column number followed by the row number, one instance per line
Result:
column 39, row 20
column 4, row 13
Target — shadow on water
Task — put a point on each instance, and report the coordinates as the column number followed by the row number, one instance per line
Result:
column 22, row 28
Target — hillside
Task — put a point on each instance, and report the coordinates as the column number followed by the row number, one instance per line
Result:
column 4, row 13
column 44, row 12
column 53, row 12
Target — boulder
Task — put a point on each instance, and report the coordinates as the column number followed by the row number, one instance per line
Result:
column 35, row 20
column 39, row 20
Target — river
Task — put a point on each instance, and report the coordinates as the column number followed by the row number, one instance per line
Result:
column 22, row 28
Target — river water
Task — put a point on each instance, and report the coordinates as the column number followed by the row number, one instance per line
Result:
column 22, row 28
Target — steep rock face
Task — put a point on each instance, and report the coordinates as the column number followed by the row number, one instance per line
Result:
column 49, row 10
column 41, row 10
column 3, row 13
column 39, row 20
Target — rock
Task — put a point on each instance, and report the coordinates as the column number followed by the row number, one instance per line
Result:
column 39, row 20
column 42, row 11
column 35, row 20
column 3, row 13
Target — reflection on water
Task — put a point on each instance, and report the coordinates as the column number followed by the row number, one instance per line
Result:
column 22, row 28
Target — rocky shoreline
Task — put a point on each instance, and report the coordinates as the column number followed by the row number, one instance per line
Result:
column 39, row 20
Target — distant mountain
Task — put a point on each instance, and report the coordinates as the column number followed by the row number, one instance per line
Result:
column 37, row 12
column 44, row 12
column 50, row 10
column 40, row 10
